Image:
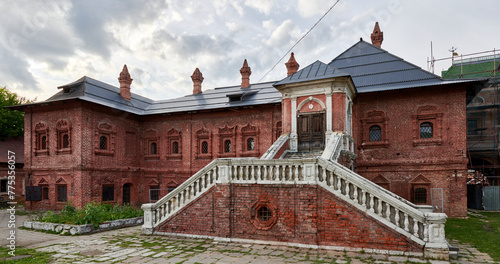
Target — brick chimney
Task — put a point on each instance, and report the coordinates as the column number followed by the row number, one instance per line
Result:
column 125, row 82
column 291, row 66
column 245, row 75
column 377, row 36
column 197, row 78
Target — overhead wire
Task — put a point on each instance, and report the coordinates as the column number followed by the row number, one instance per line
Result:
column 298, row 41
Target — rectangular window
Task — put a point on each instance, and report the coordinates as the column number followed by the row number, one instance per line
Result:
column 3, row 185
column 62, row 191
column 108, row 193
column 472, row 127
column 154, row 193
column 45, row 193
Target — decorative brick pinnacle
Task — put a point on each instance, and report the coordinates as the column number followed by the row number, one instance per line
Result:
column 291, row 66
column 197, row 78
column 377, row 36
column 245, row 75
column 124, row 75
column 125, row 82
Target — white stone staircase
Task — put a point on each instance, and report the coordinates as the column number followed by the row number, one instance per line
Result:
column 417, row 223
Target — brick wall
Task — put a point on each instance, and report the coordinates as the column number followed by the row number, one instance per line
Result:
column 85, row 168
column 401, row 157
column 304, row 214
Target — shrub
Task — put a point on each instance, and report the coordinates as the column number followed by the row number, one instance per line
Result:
column 92, row 213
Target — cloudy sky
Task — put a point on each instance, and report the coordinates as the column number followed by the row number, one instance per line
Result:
column 46, row 44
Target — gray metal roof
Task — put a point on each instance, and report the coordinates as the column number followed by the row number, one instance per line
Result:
column 373, row 69
column 91, row 90
column 316, row 71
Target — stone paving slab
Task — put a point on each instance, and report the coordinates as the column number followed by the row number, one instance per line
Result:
column 128, row 245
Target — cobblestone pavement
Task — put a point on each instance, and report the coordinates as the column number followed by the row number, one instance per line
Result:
column 128, row 245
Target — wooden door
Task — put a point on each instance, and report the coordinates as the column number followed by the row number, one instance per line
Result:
column 311, row 131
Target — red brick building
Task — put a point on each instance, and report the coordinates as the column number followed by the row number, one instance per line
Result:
column 95, row 142
column 11, row 170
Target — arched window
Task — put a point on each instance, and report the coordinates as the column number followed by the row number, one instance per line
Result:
column 375, row 133
column 44, row 142
column 204, row 147
column 154, row 149
column 227, row 146
column 420, row 196
column 426, row 130
column 103, row 143
column 175, row 147
column 250, row 144
column 65, row 141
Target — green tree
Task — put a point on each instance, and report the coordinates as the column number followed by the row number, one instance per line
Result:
column 11, row 121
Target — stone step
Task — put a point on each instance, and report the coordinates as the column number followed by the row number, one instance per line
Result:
column 302, row 154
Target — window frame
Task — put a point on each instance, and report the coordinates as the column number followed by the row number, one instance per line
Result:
column 174, row 136
column 375, row 118
column 151, row 139
column 63, row 129
column 108, row 187
column 41, row 146
column 104, row 129
column 227, row 133
column 62, row 198
column 203, row 134
column 428, row 114
column 249, row 132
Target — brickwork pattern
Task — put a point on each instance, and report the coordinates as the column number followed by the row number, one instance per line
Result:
column 305, row 214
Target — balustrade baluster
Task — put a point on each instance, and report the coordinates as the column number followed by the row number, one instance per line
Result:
column 372, row 203
column 387, row 212
column 415, row 227
column 396, row 217
column 323, row 175
column 426, row 233
column 355, row 194
column 348, row 190
column 277, row 173
column 259, row 174
column 379, row 206
column 283, row 173
column 406, row 223
column 266, row 176
column 240, row 173
column 363, row 198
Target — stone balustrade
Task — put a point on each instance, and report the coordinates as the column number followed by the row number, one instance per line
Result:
column 425, row 228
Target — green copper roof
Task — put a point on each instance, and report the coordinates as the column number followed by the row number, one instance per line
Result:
column 476, row 69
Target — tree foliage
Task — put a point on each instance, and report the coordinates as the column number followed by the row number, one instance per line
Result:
column 11, row 121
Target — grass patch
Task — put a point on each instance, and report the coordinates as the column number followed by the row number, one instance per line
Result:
column 35, row 257
column 481, row 230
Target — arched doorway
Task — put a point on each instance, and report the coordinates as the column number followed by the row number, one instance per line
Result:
column 126, row 194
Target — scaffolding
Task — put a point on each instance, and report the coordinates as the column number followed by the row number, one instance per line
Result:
column 483, row 112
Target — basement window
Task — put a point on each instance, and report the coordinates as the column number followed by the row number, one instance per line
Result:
column 264, row 213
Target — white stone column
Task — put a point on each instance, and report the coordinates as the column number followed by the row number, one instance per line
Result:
column 329, row 117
